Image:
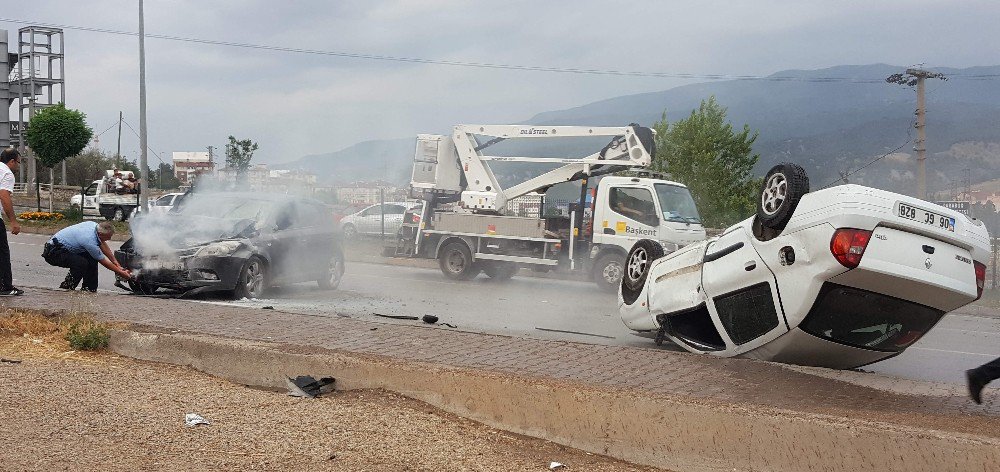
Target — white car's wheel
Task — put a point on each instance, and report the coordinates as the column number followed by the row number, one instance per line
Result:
column 638, row 262
column 783, row 186
column 350, row 232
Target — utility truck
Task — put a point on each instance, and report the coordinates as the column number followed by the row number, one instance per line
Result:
column 464, row 221
column 109, row 198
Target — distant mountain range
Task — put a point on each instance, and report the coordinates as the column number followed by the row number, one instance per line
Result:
column 831, row 121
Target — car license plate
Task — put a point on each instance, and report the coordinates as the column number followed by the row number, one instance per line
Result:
column 928, row 218
column 156, row 264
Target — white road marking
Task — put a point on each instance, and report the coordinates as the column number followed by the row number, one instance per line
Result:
column 951, row 352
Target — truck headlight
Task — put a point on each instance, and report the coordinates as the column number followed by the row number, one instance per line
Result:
column 669, row 247
column 221, row 248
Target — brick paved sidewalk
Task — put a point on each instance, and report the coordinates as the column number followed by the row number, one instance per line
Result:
column 683, row 376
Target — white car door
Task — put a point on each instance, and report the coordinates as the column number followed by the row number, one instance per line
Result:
column 90, row 200
column 742, row 293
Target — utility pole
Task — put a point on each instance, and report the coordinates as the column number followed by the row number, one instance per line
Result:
column 143, row 166
column 915, row 76
column 118, row 153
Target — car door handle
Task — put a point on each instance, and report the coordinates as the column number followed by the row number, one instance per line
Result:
column 750, row 265
column 724, row 252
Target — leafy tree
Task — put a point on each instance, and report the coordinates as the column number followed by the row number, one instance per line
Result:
column 87, row 167
column 239, row 153
column 54, row 134
column 164, row 178
column 703, row 152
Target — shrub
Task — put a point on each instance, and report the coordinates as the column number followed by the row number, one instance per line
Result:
column 40, row 216
column 74, row 213
column 87, row 335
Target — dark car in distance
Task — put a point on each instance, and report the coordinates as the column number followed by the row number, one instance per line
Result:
column 239, row 243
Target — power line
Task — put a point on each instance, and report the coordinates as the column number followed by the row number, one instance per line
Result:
column 481, row 65
column 909, row 138
column 147, row 147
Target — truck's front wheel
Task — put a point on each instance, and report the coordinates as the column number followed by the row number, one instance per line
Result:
column 456, row 261
column 608, row 271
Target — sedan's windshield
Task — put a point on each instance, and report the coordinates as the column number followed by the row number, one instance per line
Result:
column 676, row 204
column 229, row 208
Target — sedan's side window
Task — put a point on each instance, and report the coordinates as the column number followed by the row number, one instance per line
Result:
column 394, row 209
column 634, row 203
column 308, row 215
column 371, row 211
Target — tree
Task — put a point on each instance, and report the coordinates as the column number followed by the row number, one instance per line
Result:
column 56, row 133
column 164, row 178
column 87, row 167
column 715, row 162
column 239, row 153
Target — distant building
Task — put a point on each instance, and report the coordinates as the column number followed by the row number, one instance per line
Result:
column 261, row 179
column 370, row 193
column 189, row 165
column 529, row 205
column 256, row 177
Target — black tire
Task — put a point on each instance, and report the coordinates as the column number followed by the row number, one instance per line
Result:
column 331, row 280
column 608, row 270
column 638, row 262
column 783, row 187
column 455, row 260
column 253, row 279
column 500, row 270
column 119, row 214
column 350, row 232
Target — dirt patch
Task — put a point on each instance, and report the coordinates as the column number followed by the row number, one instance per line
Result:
column 83, row 411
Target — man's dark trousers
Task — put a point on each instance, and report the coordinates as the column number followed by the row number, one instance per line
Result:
column 81, row 266
column 989, row 371
column 6, row 276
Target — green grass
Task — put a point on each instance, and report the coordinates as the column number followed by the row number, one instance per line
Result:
column 87, row 335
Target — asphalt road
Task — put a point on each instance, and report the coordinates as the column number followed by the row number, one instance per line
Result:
column 526, row 306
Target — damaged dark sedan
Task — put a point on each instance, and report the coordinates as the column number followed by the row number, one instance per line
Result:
column 236, row 243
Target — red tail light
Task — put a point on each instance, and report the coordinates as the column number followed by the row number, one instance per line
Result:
column 980, row 278
column 415, row 218
column 848, row 245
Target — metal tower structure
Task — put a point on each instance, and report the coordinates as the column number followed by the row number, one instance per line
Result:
column 40, row 80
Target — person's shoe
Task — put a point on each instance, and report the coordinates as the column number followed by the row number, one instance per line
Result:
column 975, row 385
column 11, row 292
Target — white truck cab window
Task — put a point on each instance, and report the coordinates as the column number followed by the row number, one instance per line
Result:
column 634, row 203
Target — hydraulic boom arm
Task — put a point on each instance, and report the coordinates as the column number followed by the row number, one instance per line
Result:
column 630, row 146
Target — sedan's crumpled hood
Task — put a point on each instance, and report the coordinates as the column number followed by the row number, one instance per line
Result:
column 165, row 237
column 202, row 230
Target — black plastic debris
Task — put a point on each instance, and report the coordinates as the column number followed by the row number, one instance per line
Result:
column 308, row 387
column 430, row 319
column 397, row 317
column 9, row 361
column 269, row 307
column 449, row 325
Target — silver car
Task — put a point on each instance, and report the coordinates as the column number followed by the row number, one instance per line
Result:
column 369, row 220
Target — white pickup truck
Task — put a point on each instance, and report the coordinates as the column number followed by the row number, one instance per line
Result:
column 102, row 198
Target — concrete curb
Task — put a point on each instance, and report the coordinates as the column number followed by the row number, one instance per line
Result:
column 628, row 424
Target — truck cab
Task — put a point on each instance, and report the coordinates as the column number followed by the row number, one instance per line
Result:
column 627, row 209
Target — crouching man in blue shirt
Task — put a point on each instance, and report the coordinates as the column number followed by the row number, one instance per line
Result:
column 80, row 248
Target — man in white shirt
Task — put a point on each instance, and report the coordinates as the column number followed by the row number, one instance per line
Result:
column 10, row 161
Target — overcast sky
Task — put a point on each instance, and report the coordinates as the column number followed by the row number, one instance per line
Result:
column 298, row 104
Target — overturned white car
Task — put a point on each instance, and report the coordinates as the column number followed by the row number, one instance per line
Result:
column 840, row 277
